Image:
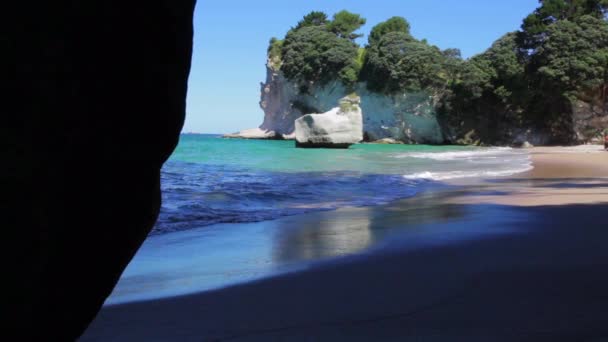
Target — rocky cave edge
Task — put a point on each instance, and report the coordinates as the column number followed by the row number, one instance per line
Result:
column 97, row 93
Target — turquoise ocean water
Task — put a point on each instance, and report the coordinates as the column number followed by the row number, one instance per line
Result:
column 212, row 180
column 231, row 210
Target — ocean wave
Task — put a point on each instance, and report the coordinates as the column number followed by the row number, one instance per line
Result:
column 489, row 153
column 212, row 181
column 447, row 175
column 194, row 196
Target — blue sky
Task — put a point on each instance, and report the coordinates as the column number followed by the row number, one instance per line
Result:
column 231, row 38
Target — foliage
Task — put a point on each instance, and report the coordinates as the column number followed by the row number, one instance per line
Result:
column 535, row 26
column 397, row 62
column 313, row 54
column 574, row 57
column 345, row 23
column 394, row 24
column 492, row 82
column 313, row 18
column 275, row 53
column 529, row 77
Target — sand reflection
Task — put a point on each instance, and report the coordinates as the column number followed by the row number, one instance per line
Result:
column 324, row 235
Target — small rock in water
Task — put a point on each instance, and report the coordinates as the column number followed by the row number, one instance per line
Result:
column 254, row 133
column 389, row 141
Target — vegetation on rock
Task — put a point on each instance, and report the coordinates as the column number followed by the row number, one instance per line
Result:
column 529, row 78
column 318, row 50
column 397, row 63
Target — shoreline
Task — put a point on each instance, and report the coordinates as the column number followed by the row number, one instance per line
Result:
column 560, row 176
column 500, row 259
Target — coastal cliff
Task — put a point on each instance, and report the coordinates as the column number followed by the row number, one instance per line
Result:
column 415, row 117
column 408, row 117
column 523, row 89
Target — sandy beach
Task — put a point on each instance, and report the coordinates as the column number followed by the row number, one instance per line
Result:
column 520, row 258
column 561, row 175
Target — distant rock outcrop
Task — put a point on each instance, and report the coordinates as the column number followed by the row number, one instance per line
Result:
column 412, row 117
column 407, row 117
column 338, row 128
column 254, row 133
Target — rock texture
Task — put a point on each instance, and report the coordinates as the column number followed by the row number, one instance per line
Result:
column 409, row 118
column 414, row 118
column 338, row 128
column 589, row 120
column 254, row 133
column 388, row 141
column 93, row 105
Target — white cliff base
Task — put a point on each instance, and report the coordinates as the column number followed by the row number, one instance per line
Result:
column 405, row 117
column 338, row 128
column 254, row 133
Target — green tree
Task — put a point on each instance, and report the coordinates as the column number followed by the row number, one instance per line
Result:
column 314, row 55
column 490, row 87
column 394, row 24
column 399, row 63
column 508, row 81
column 574, row 57
column 345, row 23
column 314, row 18
column 274, row 53
column 535, row 26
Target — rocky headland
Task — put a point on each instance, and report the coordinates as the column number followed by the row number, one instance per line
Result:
column 518, row 92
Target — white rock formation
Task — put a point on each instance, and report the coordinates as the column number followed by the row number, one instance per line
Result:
column 253, row 133
column 388, row 141
column 338, row 128
column 407, row 117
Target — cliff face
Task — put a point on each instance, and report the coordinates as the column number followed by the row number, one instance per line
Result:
column 588, row 120
column 409, row 117
column 413, row 117
column 95, row 103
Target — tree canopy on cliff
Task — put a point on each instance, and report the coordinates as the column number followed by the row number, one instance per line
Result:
column 318, row 50
column 314, row 54
column 574, row 56
column 536, row 25
column 534, row 75
column 530, row 76
column 344, row 25
column 397, row 62
column 313, row 18
column 394, row 24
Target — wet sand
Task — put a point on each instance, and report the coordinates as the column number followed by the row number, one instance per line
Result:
column 516, row 259
column 561, row 175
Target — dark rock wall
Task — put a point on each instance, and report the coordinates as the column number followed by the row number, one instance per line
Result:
column 94, row 102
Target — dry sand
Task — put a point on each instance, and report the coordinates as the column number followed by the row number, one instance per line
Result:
column 537, row 273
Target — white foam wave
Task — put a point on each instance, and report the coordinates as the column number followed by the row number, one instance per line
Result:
column 445, row 175
column 491, row 153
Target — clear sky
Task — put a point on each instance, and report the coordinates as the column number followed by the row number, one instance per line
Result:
column 231, row 38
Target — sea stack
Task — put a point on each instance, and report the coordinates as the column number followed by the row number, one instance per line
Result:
column 338, row 128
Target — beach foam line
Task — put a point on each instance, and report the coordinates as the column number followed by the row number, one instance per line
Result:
column 458, row 155
column 439, row 176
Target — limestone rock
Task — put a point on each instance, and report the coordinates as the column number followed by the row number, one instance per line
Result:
column 338, row 128
column 253, row 133
column 388, row 141
column 407, row 117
